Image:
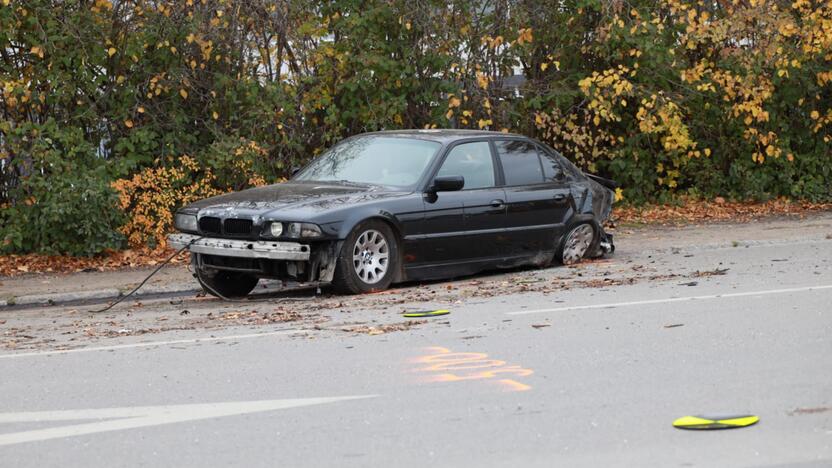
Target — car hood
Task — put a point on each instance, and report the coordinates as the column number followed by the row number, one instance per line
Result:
column 307, row 197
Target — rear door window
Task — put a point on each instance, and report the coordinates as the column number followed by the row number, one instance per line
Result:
column 520, row 161
column 552, row 168
column 570, row 169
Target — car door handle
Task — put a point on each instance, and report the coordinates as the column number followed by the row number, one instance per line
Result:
column 559, row 197
column 497, row 203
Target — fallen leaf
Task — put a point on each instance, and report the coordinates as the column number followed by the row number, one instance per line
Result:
column 691, row 210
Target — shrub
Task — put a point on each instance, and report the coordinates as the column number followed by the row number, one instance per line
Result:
column 61, row 201
column 153, row 195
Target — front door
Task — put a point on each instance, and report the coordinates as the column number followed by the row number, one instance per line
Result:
column 465, row 225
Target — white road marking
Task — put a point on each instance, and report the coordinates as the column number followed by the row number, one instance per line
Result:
column 143, row 416
column 147, row 344
column 673, row 299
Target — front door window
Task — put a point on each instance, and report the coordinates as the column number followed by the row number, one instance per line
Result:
column 471, row 161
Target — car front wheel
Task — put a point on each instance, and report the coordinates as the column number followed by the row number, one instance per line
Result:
column 368, row 259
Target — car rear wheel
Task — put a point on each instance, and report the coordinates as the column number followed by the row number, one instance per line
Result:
column 227, row 284
column 368, row 259
column 576, row 244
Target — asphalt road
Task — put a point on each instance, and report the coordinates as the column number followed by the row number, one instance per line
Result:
column 585, row 366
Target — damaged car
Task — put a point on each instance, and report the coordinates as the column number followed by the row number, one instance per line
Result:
column 387, row 207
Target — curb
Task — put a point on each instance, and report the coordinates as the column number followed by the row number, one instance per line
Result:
column 99, row 294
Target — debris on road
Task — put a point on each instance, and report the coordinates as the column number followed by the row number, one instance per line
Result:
column 427, row 313
column 278, row 316
column 529, row 280
column 541, row 325
column 711, row 422
column 801, row 411
column 674, row 325
column 706, row 273
column 386, row 328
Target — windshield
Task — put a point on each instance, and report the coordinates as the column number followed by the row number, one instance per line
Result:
column 372, row 159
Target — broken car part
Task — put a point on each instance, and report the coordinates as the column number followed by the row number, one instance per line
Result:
column 711, row 422
column 427, row 313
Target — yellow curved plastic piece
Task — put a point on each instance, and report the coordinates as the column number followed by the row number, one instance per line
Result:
column 744, row 421
column 428, row 313
column 691, row 421
column 697, row 422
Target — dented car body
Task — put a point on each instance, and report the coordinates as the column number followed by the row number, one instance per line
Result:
column 386, row 207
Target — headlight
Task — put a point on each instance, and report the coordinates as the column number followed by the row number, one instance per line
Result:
column 276, row 229
column 185, row 222
column 303, row 230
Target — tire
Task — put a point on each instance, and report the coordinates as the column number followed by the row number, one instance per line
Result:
column 368, row 260
column 227, row 284
column 577, row 243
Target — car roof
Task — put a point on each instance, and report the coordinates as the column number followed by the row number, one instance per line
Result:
column 443, row 135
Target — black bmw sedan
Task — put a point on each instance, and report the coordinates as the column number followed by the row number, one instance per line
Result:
column 386, row 207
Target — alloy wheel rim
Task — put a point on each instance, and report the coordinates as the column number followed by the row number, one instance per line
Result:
column 370, row 256
column 577, row 243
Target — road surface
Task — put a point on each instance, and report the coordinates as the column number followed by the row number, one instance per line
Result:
column 583, row 366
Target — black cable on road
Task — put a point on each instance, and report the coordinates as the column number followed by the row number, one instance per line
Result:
column 146, row 279
column 203, row 284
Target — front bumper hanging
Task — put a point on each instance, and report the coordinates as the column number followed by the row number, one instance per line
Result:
column 274, row 250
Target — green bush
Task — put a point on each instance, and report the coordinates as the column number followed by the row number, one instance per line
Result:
column 62, row 202
column 69, row 213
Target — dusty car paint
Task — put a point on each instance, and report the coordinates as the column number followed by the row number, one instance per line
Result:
column 441, row 235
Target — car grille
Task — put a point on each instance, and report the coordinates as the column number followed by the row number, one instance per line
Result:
column 209, row 225
column 238, row 227
column 232, row 226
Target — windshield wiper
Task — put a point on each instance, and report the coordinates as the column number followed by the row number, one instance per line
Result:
column 348, row 182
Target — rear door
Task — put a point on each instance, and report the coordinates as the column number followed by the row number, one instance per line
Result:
column 465, row 225
column 537, row 196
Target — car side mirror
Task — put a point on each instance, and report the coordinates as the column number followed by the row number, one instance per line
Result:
column 448, row 184
column 295, row 170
